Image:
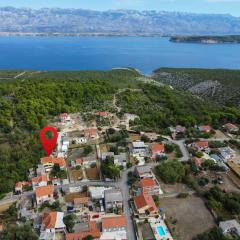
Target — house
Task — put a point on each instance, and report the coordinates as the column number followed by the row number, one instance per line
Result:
column 230, row 227
column 215, row 158
column 113, row 200
column 78, row 162
column 138, row 148
column 200, row 145
column 226, row 153
column 107, row 154
column 114, row 228
column 64, row 117
column 196, row 161
column 120, row 160
column 150, row 186
column 44, row 193
column 52, row 223
column 101, row 114
column 48, row 162
column 90, row 133
column 40, row 170
column 92, row 231
column 19, row 186
column 65, row 144
column 96, row 193
column 144, row 172
column 157, row 150
column 66, row 141
column 145, row 204
column 39, row 181
column 80, row 202
column 205, row 128
column 231, row 128
column 180, row 129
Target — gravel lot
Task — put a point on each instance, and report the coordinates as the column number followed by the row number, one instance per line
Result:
column 191, row 214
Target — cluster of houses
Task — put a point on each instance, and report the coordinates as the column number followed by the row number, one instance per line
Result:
column 143, row 204
column 221, row 155
column 140, row 151
column 99, row 214
column 42, row 176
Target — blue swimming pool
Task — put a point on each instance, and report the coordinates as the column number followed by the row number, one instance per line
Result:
column 161, row 231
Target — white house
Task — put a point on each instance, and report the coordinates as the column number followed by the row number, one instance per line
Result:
column 52, row 223
column 39, row 181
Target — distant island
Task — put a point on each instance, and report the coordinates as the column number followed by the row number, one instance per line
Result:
column 207, row 39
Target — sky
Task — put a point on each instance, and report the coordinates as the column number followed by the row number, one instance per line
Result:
column 195, row 6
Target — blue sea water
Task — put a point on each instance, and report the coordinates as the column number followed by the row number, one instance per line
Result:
column 102, row 53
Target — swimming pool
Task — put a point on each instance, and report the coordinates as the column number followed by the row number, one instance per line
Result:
column 161, row 231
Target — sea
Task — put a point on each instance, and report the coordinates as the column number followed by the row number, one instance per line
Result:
column 103, row 53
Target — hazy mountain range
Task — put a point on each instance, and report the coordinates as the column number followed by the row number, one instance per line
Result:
column 115, row 22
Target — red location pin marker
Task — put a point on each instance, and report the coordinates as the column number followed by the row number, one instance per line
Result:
column 48, row 144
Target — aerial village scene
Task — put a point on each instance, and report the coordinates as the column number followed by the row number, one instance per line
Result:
column 106, row 181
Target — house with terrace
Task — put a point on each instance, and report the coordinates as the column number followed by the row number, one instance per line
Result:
column 48, row 162
column 44, row 193
column 52, row 223
column 113, row 200
column 145, row 205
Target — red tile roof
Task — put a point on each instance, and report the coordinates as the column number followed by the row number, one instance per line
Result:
column 205, row 128
column 90, row 132
column 201, row 144
column 101, row 114
column 49, row 220
column 114, row 222
column 38, row 179
column 44, row 191
column 92, row 231
column 144, row 200
column 78, row 161
column 60, row 161
column 147, row 182
column 156, row 148
column 230, row 126
column 21, row 184
column 197, row 161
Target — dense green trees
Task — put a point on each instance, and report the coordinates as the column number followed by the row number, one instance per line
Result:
column 161, row 107
column 171, row 171
column 109, row 169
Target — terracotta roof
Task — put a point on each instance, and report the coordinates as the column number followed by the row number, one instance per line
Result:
column 90, row 132
column 80, row 200
column 49, row 220
column 114, row 222
column 44, row 191
column 201, row 144
column 147, row 182
column 38, row 179
column 78, row 161
column 205, row 128
column 197, row 161
column 60, row 161
column 101, row 114
column 144, row 200
column 230, row 126
column 21, row 184
column 155, row 148
column 92, row 231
